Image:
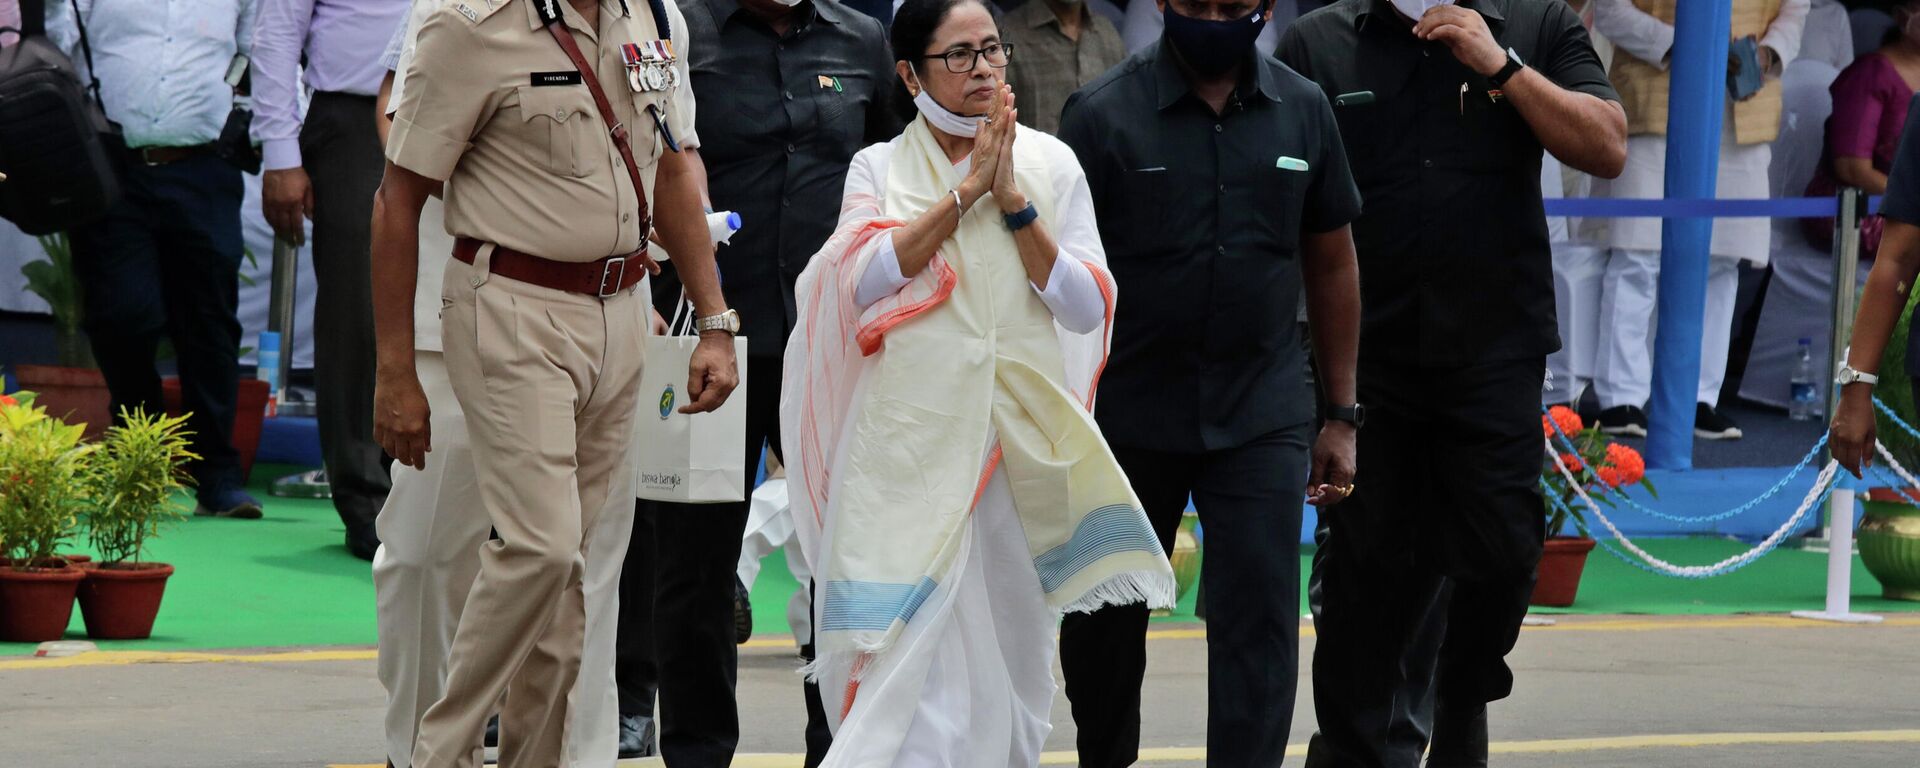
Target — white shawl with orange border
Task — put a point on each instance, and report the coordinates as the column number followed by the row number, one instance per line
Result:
column 894, row 417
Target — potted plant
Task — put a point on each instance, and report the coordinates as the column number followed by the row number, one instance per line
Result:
column 1889, row 534
column 73, row 390
column 130, row 480
column 42, row 489
column 1597, row 465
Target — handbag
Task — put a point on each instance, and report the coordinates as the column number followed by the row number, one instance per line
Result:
column 60, row 154
column 688, row 458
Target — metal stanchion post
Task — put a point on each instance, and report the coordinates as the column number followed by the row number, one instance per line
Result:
column 1846, row 266
column 280, row 319
column 1846, row 275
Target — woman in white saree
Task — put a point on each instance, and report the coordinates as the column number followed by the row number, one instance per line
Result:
column 949, row 486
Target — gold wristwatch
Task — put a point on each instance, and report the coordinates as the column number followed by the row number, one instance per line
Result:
column 728, row 321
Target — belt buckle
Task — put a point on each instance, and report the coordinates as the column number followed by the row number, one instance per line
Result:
column 607, row 270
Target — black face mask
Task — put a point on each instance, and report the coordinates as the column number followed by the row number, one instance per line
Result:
column 1212, row 47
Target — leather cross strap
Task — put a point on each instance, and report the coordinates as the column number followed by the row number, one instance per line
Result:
column 617, row 130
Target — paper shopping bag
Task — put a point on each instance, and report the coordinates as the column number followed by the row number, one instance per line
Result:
column 694, row 459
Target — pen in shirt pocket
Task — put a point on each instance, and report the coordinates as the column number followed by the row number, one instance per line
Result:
column 1463, row 98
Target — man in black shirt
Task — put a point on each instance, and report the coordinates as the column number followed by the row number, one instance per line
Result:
column 1221, row 190
column 1444, row 120
column 788, row 92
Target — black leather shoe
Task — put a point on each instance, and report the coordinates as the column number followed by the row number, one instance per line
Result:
column 638, row 738
column 362, row 542
column 742, row 612
column 1459, row 738
column 493, row 732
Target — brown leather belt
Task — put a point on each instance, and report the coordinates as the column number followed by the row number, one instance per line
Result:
column 603, row 278
column 170, row 155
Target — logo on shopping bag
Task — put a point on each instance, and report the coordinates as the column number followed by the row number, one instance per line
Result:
column 660, row 481
column 666, row 402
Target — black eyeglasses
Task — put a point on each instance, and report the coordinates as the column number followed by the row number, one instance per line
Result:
column 962, row 60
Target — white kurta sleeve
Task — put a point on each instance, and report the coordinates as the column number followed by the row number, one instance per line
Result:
column 861, row 198
column 1633, row 30
column 1072, row 293
column 1785, row 33
column 883, row 277
column 1074, row 297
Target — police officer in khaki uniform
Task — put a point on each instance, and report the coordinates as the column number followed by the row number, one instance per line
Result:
column 540, row 321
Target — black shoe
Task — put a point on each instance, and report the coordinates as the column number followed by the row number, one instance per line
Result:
column 1623, row 421
column 493, row 732
column 742, row 612
column 638, row 738
column 1459, row 738
column 227, row 501
column 1710, row 424
column 362, row 542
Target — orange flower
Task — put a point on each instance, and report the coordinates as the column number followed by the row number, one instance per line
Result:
column 1568, row 420
column 1573, row 462
column 5, row 400
column 1624, row 466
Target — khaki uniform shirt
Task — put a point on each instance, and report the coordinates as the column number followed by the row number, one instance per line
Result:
column 527, row 165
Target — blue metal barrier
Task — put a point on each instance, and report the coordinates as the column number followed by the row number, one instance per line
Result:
column 1768, row 208
column 1695, row 103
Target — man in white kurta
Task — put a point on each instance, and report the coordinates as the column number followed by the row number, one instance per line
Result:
column 1623, row 375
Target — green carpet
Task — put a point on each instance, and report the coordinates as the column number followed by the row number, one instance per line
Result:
column 286, row 581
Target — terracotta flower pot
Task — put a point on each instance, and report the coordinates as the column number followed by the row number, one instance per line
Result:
column 249, row 414
column 1560, row 568
column 118, row 601
column 72, row 394
column 35, row 605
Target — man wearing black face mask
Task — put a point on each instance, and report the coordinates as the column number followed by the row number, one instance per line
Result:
column 1221, row 189
column 1423, row 577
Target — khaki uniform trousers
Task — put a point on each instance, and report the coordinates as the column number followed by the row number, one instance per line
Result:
column 431, row 530
column 549, row 383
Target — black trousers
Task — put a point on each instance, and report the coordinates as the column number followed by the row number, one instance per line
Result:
column 1249, row 501
column 1422, row 578
column 165, row 260
column 344, row 162
column 691, row 559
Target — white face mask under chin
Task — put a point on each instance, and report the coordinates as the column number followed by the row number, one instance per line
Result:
column 788, row 3
column 1414, row 9
column 945, row 120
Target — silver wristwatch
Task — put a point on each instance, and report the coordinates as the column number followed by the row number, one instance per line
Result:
column 728, row 321
column 1850, row 376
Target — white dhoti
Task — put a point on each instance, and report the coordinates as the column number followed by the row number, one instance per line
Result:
column 1579, row 271
column 1623, row 372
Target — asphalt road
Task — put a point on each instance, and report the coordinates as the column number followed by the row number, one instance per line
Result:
column 1753, row 692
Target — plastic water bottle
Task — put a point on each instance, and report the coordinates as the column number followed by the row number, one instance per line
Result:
column 269, row 368
column 722, row 224
column 1805, row 405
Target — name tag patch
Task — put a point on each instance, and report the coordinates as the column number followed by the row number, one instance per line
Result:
column 556, row 78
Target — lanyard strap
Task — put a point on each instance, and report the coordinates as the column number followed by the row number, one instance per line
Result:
column 615, row 128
